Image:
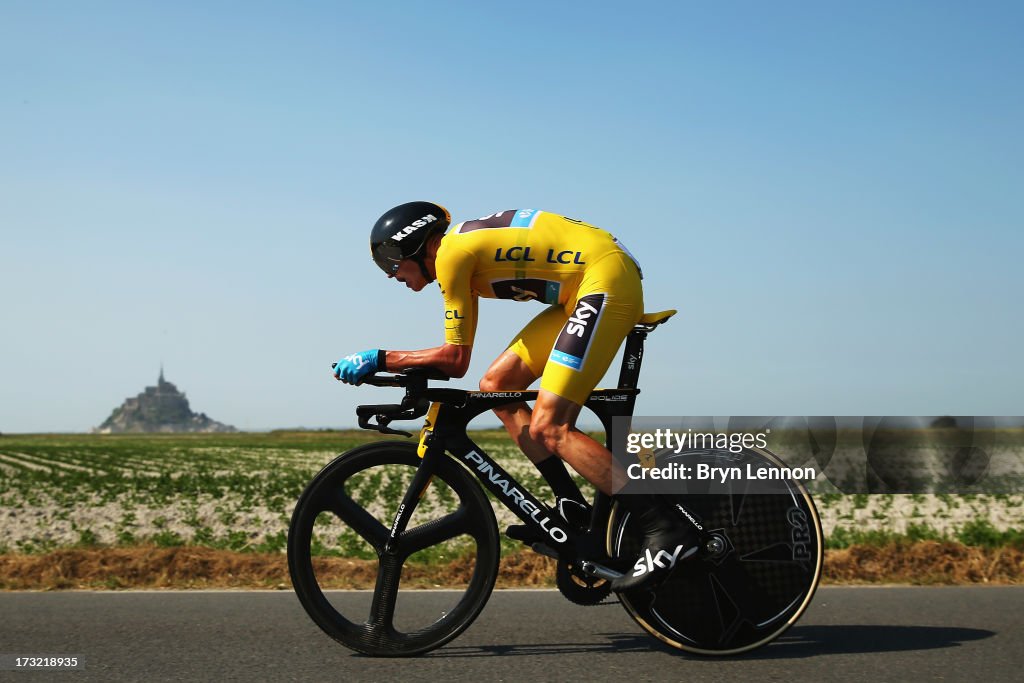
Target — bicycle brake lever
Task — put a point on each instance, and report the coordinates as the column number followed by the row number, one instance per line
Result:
column 366, row 415
column 381, row 425
column 388, row 430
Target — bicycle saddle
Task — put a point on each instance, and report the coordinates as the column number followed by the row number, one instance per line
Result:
column 657, row 318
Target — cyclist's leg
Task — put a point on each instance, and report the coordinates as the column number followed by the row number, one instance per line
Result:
column 553, row 426
column 665, row 541
column 608, row 305
column 516, row 369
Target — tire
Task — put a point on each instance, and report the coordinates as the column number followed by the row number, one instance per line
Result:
column 752, row 591
column 349, row 508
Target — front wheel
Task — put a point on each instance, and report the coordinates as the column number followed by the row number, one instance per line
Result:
column 755, row 574
column 347, row 511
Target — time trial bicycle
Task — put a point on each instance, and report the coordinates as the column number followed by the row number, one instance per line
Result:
column 755, row 573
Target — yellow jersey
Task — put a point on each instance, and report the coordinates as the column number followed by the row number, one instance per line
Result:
column 523, row 255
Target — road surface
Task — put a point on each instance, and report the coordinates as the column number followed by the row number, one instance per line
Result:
column 848, row 634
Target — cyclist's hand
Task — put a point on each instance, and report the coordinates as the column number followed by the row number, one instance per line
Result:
column 352, row 369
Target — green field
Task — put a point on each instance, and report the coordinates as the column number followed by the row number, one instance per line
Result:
column 226, row 491
column 237, row 491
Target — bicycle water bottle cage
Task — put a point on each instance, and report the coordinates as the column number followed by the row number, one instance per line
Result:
column 413, row 405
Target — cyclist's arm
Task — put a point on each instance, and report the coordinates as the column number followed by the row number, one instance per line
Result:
column 451, row 359
column 454, row 271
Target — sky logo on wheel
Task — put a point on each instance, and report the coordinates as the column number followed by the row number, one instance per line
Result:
column 573, row 341
column 662, row 560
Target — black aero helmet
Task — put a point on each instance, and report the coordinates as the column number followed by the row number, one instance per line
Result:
column 402, row 233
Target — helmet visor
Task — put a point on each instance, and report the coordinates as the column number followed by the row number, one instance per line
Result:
column 387, row 257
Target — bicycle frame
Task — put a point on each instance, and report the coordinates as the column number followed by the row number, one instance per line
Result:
column 445, row 432
column 759, row 563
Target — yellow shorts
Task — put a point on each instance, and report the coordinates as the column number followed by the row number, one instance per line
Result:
column 571, row 346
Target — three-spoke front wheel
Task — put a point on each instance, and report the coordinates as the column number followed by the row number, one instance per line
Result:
column 347, row 511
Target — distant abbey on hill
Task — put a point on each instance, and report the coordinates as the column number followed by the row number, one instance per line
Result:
column 159, row 409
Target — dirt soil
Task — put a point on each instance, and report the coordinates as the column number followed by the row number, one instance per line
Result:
column 925, row 562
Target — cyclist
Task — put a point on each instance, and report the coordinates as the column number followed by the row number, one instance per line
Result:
column 592, row 287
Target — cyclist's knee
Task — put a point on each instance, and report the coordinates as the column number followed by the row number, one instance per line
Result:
column 507, row 373
column 492, row 382
column 549, row 433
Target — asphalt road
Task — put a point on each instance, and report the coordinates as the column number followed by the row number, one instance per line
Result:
column 855, row 634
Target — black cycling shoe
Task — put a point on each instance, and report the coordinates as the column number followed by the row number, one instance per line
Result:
column 667, row 542
column 573, row 512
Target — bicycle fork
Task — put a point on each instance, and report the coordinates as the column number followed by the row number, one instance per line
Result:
column 417, row 489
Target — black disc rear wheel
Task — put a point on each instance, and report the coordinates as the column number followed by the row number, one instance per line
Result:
column 755, row 574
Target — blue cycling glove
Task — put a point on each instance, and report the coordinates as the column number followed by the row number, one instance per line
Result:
column 352, row 369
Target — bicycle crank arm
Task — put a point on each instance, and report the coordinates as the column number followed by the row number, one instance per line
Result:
column 586, row 566
column 601, row 572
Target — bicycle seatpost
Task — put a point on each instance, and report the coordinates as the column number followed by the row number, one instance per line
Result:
column 632, row 357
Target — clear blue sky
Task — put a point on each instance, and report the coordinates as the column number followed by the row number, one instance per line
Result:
column 829, row 192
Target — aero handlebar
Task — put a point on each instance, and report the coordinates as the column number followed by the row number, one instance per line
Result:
column 413, row 405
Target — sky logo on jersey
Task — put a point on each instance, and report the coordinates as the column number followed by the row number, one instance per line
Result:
column 573, row 341
column 524, row 218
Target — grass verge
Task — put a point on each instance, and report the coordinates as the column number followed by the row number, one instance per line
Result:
column 919, row 563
